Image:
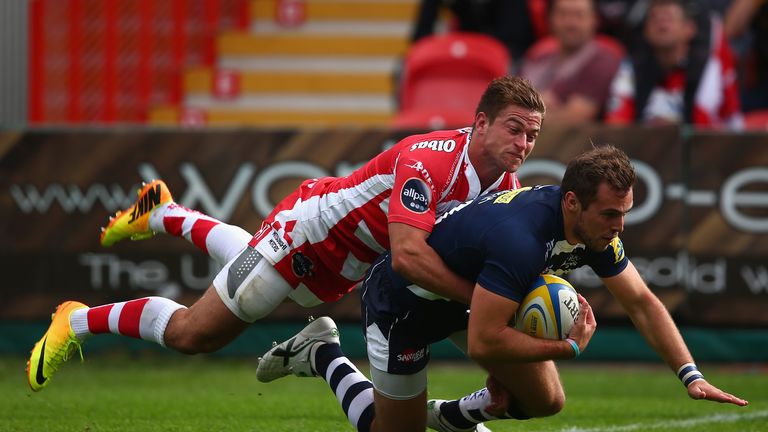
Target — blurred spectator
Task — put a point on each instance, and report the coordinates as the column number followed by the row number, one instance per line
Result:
column 573, row 68
column 746, row 25
column 682, row 72
column 513, row 22
column 623, row 19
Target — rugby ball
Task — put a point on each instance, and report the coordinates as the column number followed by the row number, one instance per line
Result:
column 549, row 309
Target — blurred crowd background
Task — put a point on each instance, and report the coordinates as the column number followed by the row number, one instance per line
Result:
column 379, row 62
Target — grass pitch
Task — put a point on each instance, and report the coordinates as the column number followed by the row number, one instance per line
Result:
column 177, row 393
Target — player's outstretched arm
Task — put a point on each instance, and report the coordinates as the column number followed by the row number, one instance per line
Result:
column 654, row 323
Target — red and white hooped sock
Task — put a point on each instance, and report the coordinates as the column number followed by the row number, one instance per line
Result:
column 219, row 240
column 145, row 318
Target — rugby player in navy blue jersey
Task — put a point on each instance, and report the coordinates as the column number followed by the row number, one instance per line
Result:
column 502, row 241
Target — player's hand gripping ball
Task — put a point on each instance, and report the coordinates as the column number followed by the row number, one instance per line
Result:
column 549, row 309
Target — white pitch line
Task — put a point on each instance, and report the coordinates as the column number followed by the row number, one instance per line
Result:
column 679, row 424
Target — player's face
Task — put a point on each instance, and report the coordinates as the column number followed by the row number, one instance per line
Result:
column 509, row 139
column 603, row 220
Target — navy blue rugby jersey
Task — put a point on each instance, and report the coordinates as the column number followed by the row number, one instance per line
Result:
column 505, row 239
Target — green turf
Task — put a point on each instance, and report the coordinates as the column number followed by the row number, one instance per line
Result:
column 177, row 393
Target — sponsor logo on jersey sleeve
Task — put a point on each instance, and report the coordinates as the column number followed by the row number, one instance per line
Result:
column 415, row 195
column 419, row 167
column 618, row 250
column 506, row 197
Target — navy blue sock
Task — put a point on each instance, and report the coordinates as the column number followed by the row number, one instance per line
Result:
column 453, row 415
column 474, row 410
column 352, row 389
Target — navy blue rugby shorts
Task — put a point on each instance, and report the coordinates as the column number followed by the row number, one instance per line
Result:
column 399, row 325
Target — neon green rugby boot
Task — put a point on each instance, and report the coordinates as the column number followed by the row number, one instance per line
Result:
column 55, row 347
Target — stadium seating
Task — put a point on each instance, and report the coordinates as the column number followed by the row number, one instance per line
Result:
column 314, row 63
column 445, row 75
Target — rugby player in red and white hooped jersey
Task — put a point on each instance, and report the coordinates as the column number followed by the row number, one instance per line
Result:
column 400, row 192
column 318, row 242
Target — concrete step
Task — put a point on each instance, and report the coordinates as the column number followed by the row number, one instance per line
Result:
column 228, row 117
column 351, row 28
column 332, row 68
column 319, row 64
column 327, row 102
column 201, row 81
column 294, row 44
column 355, row 10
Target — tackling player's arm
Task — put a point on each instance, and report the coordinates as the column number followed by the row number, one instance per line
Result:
column 653, row 321
column 421, row 175
column 491, row 339
column 416, row 261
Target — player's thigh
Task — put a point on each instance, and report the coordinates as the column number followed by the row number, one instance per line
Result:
column 250, row 287
column 394, row 415
column 534, row 387
column 246, row 289
column 400, row 388
column 399, row 376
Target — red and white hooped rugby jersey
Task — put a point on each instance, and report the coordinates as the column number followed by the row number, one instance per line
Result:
column 326, row 234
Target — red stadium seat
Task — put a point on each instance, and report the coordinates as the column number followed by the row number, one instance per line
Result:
column 446, row 75
column 756, row 120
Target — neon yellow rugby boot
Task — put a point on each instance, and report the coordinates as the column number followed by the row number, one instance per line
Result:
column 133, row 222
column 55, row 347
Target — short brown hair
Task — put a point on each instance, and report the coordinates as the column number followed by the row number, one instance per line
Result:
column 604, row 164
column 509, row 90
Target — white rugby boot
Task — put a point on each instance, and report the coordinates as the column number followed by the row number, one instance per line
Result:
column 435, row 420
column 296, row 355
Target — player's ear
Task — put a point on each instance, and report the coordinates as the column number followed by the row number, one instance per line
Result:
column 481, row 122
column 571, row 202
